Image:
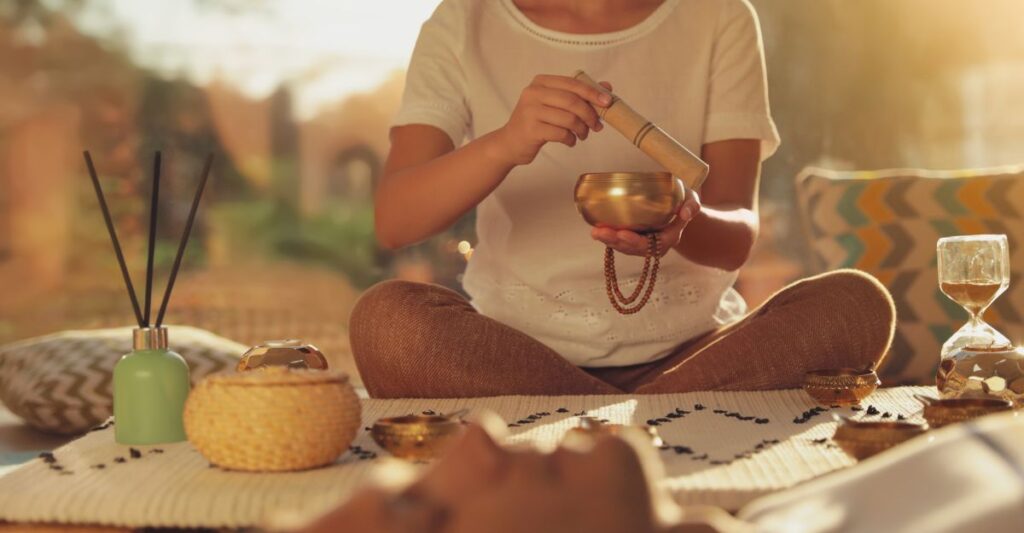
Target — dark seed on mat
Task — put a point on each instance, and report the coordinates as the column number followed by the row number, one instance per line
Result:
column 900, row 417
column 119, row 459
column 682, row 449
column 134, row 453
column 886, row 414
column 652, row 422
column 761, row 421
column 561, row 410
column 872, row 410
column 48, row 458
column 856, row 408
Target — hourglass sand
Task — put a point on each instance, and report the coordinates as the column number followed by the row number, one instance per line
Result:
column 973, row 271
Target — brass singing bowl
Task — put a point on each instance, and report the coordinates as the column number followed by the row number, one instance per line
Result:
column 948, row 411
column 635, row 201
column 863, row 439
column 415, row 437
column 841, row 386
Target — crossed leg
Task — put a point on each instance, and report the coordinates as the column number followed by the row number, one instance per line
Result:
column 417, row 340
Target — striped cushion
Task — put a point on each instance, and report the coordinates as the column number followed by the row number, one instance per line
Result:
column 887, row 223
column 61, row 383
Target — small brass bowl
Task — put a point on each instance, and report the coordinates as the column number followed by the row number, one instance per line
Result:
column 940, row 413
column 635, row 201
column 415, row 437
column 841, row 386
column 863, row 439
column 290, row 353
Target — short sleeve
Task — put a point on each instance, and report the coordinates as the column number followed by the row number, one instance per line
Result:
column 738, row 96
column 435, row 84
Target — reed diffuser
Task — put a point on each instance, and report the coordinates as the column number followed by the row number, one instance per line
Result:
column 151, row 382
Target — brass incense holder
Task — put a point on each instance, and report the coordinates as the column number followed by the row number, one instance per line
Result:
column 643, row 202
column 416, row 437
column 291, row 353
column 863, row 439
column 841, row 386
column 944, row 412
column 592, row 427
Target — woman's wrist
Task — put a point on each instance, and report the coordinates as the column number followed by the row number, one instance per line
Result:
column 494, row 148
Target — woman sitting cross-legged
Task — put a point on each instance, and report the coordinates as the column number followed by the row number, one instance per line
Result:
column 538, row 320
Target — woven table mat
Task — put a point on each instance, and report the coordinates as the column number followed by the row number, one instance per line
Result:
column 722, row 448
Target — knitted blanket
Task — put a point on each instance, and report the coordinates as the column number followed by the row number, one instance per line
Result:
column 721, row 448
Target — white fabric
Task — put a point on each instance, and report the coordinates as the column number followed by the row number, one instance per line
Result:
column 695, row 67
column 738, row 446
column 967, row 477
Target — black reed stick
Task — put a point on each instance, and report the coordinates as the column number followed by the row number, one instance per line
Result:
column 113, row 237
column 153, row 209
column 184, row 240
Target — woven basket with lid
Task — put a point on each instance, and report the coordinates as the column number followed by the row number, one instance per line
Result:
column 273, row 419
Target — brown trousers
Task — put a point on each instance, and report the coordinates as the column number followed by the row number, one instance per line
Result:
column 424, row 341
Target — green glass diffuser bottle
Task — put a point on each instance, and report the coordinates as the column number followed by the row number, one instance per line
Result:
column 151, row 382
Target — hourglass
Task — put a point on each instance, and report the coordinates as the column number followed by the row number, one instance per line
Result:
column 973, row 271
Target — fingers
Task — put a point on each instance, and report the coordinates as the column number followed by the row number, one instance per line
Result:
column 564, row 119
column 691, row 205
column 588, row 93
column 551, row 133
column 572, row 103
column 632, row 243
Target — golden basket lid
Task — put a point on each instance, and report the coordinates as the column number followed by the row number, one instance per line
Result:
column 278, row 376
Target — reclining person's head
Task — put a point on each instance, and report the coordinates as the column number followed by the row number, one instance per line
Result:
column 588, row 484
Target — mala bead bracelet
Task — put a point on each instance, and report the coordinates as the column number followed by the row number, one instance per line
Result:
column 644, row 285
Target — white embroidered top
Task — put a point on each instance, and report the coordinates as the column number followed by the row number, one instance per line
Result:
column 694, row 67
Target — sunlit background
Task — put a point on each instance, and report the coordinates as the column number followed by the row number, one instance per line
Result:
column 295, row 97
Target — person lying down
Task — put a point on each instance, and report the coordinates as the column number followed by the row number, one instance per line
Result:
column 597, row 485
column 610, row 484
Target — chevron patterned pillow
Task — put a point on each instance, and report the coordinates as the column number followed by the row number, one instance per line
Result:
column 61, row 383
column 887, row 223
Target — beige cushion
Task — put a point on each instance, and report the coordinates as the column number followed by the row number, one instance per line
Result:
column 887, row 223
column 61, row 383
